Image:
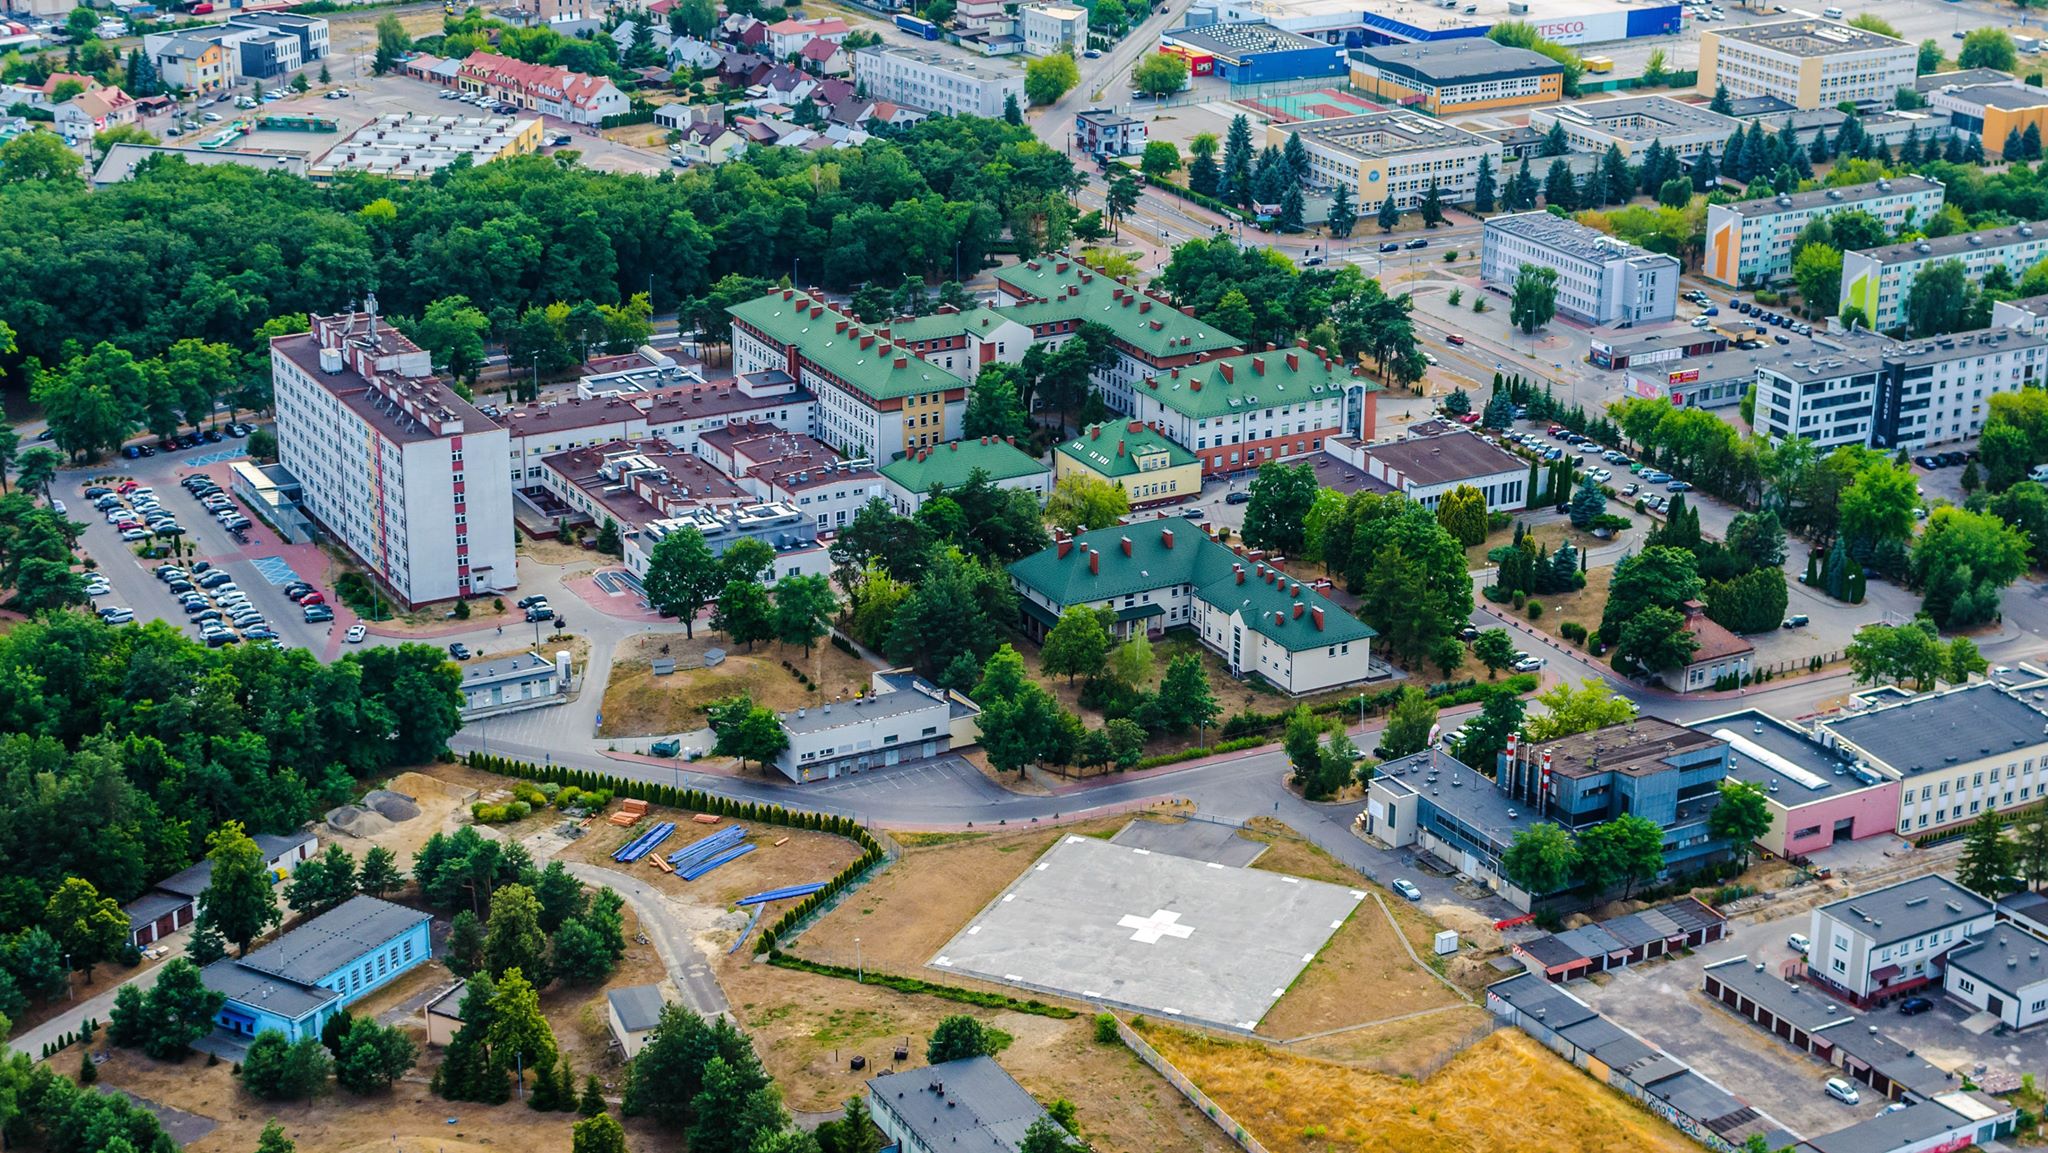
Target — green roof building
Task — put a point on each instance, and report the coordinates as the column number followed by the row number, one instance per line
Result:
column 1148, row 467
column 909, row 479
column 1236, row 413
column 1163, row 574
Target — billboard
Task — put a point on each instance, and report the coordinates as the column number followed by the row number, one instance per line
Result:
column 1683, row 376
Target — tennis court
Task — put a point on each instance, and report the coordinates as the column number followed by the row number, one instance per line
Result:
column 1320, row 104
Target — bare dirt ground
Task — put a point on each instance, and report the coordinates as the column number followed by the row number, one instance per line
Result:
column 801, row 858
column 638, row 703
column 443, row 793
column 1504, row 1093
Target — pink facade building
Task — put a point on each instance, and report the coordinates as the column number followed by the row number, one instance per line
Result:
column 1816, row 797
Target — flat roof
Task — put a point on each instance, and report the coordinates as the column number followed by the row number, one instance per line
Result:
column 1909, row 1128
column 1965, row 78
column 638, row 1006
column 1392, row 132
column 2001, row 96
column 1812, row 1010
column 1786, row 760
column 1636, row 748
column 973, row 1105
column 1807, row 38
column 2031, row 305
column 1468, row 59
column 1921, row 733
column 1937, row 349
column 1237, row 41
column 676, row 478
column 946, row 62
column 333, row 939
column 1446, row 459
column 1908, row 909
column 123, row 159
column 2007, row 958
column 1642, row 119
column 1571, row 238
column 1845, row 197
column 1939, row 247
column 1459, row 791
column 518, row 667
column 287, row 999
column 369, row 402
column 1751, row 107
column 839, row 714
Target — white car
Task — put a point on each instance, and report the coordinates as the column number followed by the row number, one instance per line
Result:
column 355, row 634
column 118, row 616
column 1843, row 1091
column 1528, row 664
column 1407, row 889
column 1602, row 475
column 1799, row 943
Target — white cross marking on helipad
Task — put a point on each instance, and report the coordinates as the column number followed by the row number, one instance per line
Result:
column 1151, row 929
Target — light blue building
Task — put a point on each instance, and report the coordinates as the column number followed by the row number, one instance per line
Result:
column 295, row 983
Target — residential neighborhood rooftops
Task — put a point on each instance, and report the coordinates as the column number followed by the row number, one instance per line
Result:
column 1927, row 731
column 966, row 1106
column 881, row 369
column 1116, row 449
column 951, row 464
column 1909, row 909
column 1059, row 288
column 1843, row 197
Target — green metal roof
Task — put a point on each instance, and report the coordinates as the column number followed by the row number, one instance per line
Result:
column 949, row 465
column 1067, row 290
column 1266, row 598
column 940, row 325
column 1114, row 450
column 833, row 342
column 1250, row 382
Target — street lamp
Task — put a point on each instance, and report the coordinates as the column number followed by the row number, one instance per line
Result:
column 859, row 970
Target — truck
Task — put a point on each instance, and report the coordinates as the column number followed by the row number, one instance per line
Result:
column 1599, row 64
column 917, row 26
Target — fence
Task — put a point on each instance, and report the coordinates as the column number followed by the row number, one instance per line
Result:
column 1188, row 1089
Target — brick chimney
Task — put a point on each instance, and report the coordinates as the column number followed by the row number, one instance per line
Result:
column 902, row 362
column 788, row 292
column 1066, row 545
column 1119, row 448
column 1316, row 615
column 839, row 325
column 1187, row 310
column 867, row 341
column 1298, row 606
column 1239, row 570
column 1293, row 362
column 1094, row 561
column 1166, row 537
column 1144, row 306
column 1229, row 372
column 1258, row 366
column 1127, row 546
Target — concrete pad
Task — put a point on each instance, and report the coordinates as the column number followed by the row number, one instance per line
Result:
column 1979, row 1024
column 1151, row 932
column 1195, row 840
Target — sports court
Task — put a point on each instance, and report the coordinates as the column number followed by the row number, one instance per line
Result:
column 1320, row 104
column 1151, row 932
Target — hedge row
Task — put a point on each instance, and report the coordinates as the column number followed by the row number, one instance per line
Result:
column 1446, row 694
column 697, row 800
column 914, row 985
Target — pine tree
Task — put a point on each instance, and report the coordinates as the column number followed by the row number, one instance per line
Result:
column 1560, row 189
column 1342, row 217
column 592, row 1102
column 1483, row 189
column 1704, row 174
column 1389, row 215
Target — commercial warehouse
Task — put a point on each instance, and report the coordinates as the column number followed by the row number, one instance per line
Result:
column 1466, row 75
column 1259, row 53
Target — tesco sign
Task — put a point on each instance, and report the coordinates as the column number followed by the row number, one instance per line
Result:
column 1597, row 28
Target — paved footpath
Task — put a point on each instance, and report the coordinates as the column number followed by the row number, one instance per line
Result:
column 688, row 968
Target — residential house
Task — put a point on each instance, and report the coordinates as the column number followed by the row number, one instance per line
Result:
column 195, row 65
column 542, row 88
column 786, row 38
column 1720, row 659
column 96, row 111
column 824, row 57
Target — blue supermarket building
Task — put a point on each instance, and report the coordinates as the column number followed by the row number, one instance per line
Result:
column 295, row 983
column 1259, row 53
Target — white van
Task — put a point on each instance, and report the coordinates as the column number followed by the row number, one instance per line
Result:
column 2038, row 474
column 1832, row 13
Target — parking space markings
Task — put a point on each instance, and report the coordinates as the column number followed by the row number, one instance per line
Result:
column 217, row 457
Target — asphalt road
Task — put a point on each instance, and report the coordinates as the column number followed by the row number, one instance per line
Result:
column 688, row 968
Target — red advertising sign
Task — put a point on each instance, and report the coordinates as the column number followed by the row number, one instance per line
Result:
column 1684, row 376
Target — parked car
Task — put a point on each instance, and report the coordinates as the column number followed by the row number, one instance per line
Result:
column 1796, row 621
column 1528, row 664
column 317, row 614
column 1239, row 497
column 665, row 748
column 355, row 634
column 115, row 616
column 1678, row 486
column 1914, row 1006
column 1799, row 943
column 1407, row 889
column 1843, row 1091
column 458, row 650
column 535, row 599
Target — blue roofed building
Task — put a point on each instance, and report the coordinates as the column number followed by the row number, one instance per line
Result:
column 295, row 983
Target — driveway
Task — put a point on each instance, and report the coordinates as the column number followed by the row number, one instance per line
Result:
column 687, row 967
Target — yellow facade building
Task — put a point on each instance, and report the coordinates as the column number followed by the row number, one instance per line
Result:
column 1470, row 74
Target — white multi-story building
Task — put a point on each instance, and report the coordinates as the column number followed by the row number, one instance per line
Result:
column 1958, row 753
column 1050, row 28
column 875, row 398
column 1890, row 941
column 1877, row 281
column 1807, row 63
column 1396, row 153
column 1633, row 123
column 1871, row 391
column 937, row 81
column 792, row 468
column 1750, row 242
column 1601, row 280
column 396, row 466
column 1242, row 411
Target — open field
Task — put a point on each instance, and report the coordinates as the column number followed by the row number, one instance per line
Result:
column 638, row 703
column 801, row 858
column 1362, row 974
column 1504, row 1093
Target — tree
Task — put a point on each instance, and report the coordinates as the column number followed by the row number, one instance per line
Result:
column 273, row 1139
column 664, row 1081
column 2030, row 851
column 804, row 607
column 1940, row 299
column 513, row 937
column 1484, row 190
column 1495, row 649
column 88, row 927
column 1389, row 216
column 323, row 882
column 1987, row 48
column 1161, row 159
column 1185, row 696
column 1408, row 724
column 600, row 1133
column 1081, row 503
column 1236, row 184
column 680, row 572
column 380, row 872
column 1077, row 646
column 591, row 1103
column 1048, row 78
column 276, row 1069
column 465, row 954
column 1656, row 639
column 1431, row 206
column 1045, row 1135
column 1411, row 579
column 1560, row 187
column 1626, row 850
column 1462, row 513
column 1160, row 74
column 1930, row 57
column 452, row 331
column 1817, row 269
column 518, row 1036
column 1659, row 576
column 959, row 1036
column 1342, row 216
column 1962, row 563
column 238, row 900
column 1567, row 710
column 1486, row 735
column 745, row 731
column 1743, row 815
column 1534, row 299
column 1588, row 503
column 1281, row 496
column 1203, row 172
column 373, row 1056
column 1541, row 859
column 743, row 613
column 1988, row 861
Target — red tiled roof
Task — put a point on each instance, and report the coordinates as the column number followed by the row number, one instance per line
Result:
column 820, row 50
column 1716, row 642
column 543, row 80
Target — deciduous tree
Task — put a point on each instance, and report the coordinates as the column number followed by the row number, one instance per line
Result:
column 1541, row 859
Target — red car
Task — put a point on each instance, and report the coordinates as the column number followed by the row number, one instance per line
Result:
column 311, row 599
column 1555, row 429
column 1469, row 418
column 127, row 486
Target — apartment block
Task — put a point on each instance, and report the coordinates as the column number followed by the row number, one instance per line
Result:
column 1894, row 395
column 1601, row 280
column 397, row 467
column 1806, row 63
column 1750, row 241
column 1876, row 281
column 938, row 81
column 1050, row 28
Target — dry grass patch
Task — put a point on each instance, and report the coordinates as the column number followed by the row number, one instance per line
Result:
column 1361, row 974
column 1582, row 605
column 1410, row 1047
column 638, row 703
column 1504, row 1093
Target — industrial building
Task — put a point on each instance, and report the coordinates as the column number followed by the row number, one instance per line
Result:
column 1167, row 574
column 1633, row 123
column 410, row 145
column 1259, row 53
column 1361, row 22
column 1807, row 63
column 394, row 464
column 1454, row 76
column 1891, row 395
column 1397, row 153
column 1750, row 241
column 902, row 718
column 1816, row 796
column 295, row 983
column 1601, row 280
